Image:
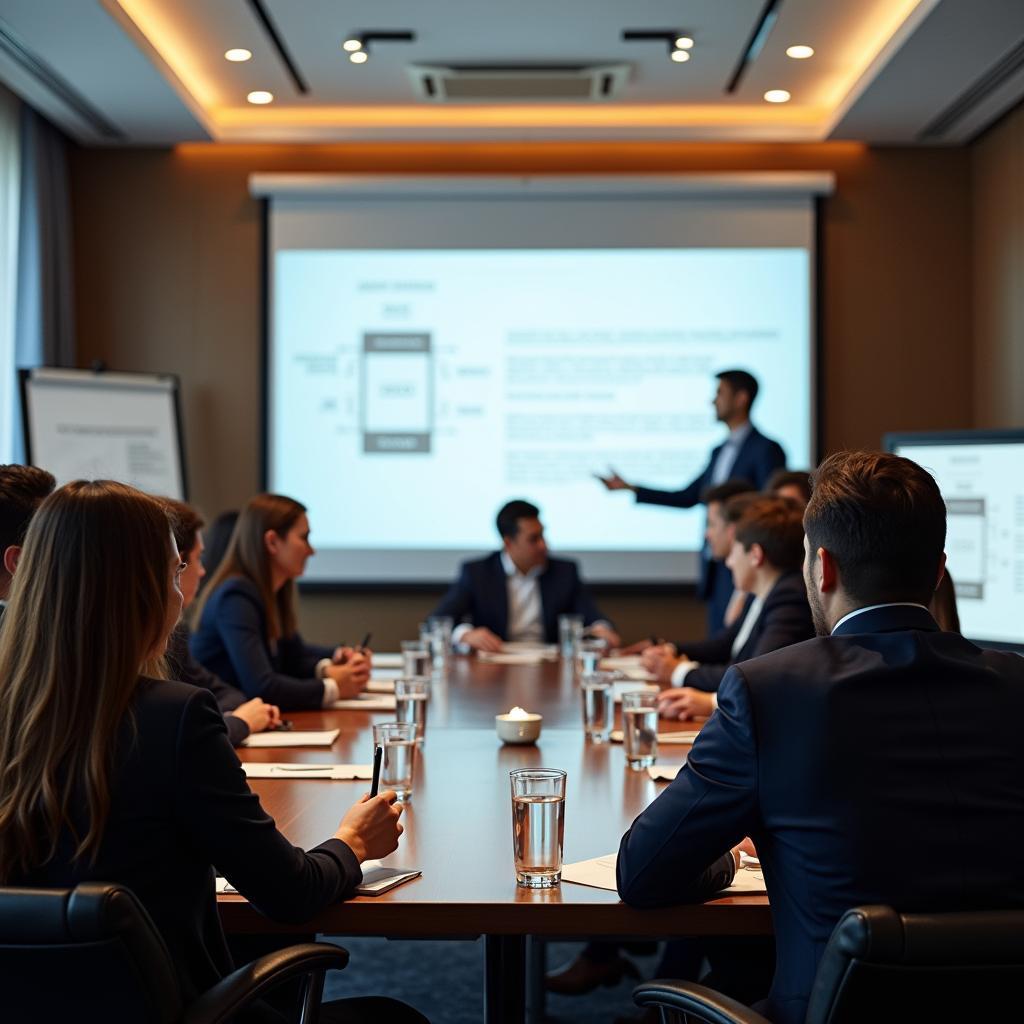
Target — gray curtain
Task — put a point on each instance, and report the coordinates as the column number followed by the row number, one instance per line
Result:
column 44, row 305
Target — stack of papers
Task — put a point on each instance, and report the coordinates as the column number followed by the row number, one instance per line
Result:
column 387, row 661
column 366, row 702
column 338, row 772
column 292, row 739
column 376, row 685
column 385, row 673
column 599, row 873
column 618, row 689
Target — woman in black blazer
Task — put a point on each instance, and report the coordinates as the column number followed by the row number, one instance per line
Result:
column 110, row 773
column 247, row 632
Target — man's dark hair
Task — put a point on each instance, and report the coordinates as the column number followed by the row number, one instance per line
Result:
column 724, row 491
column 733, row 509
column 186, row 522
column 22, row 490
column 511, row 513
column 799, row 478
column 883, row 520
column 776, row 525
column 740, row 380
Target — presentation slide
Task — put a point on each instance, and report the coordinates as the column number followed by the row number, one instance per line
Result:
column 984, row 491
column 413, row 392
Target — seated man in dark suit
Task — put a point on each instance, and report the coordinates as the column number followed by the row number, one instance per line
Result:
column 765, row 561
column 519, row 592
column 852, row 760
column 22, row 490
column 746, row 454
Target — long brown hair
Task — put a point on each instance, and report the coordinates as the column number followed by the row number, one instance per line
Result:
column 247, row 556
column 87, row 613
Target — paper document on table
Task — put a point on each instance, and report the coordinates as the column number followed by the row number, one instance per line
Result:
column 387, row 661
column 366, row 702
column 224, row 887
column 620, row 663
column 667, row 739
column 292, row 770
column 619, row 688
column 376, row 685
column 529, row 647
column 514, row 657
column 293, row 739
column 599, row 873
column 385, row 673
column 664, row 772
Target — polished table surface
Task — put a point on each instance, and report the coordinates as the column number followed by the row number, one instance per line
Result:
column 458, row 822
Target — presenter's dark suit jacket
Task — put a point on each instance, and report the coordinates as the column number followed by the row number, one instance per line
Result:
column 757, row 459
column 882, row 764
column 785, row 619
column 231, row 641
column 480, row 596
column 180, row 807
column 183, row 667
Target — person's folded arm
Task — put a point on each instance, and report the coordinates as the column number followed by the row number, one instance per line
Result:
column 240, row 626
column 299, row 658
column 224, row 819
column 675, row 851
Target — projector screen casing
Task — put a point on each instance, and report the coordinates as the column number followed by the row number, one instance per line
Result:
column 781, row 214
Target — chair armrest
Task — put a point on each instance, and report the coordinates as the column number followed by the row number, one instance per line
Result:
column 241, row 987
column 697, row 1000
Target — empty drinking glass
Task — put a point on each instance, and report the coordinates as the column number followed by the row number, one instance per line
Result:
column 538, row 825
column 411, row 698
column 417, row 659
column 640, row 728
column 596, row 692
column 570, row 633
column 398, row 740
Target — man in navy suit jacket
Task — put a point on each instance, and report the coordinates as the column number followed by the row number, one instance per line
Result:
column 519, row 592
column 746, row 454
column 878, row 763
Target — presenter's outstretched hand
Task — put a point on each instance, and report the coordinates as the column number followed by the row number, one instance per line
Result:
column 482, row 639
column 371, row 827
column 257, row 715
column 684, row 702
column 614, row 482
column 352, row 676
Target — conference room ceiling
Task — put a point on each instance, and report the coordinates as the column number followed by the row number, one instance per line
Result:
column 145, row 72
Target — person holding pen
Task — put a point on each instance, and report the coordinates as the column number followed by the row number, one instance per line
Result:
column 247, row 630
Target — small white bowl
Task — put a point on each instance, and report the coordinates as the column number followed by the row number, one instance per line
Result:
column 518, row 730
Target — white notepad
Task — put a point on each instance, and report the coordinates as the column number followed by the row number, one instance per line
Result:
column 376, row 685
column 599, row 873
column 387, row 660
column 366, row 702
column 378, row 879
column 276, row 770
column 618, row 689
column 385, row 673
column 292, row 739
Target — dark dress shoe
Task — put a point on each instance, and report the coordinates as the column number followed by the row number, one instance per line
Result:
column 584, row 975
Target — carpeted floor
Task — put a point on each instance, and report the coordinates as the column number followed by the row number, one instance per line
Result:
column 444, row 980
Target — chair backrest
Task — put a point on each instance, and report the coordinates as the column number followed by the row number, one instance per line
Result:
column 880, row 965
column 83, row 954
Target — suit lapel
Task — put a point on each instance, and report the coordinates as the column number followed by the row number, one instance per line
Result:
column 500, row 591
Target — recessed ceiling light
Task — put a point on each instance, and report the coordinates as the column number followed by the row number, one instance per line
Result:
column 777, row 96
column 359, row 57
column 800, row 52
column 684, row 43
column 351, row 45
column 238, row 55
column 680, row 55
column 260, row 96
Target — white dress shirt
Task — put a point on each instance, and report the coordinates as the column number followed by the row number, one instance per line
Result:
column 722, row 469
column 525, row 612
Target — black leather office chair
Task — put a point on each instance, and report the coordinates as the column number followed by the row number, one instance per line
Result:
column 881, row 966
column 93, row 954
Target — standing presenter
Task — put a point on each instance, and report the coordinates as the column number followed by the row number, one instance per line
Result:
column 746, row 454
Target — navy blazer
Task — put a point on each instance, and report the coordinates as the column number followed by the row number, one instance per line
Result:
column 231, row 641
column 183, row 667
column 882, row 764
column 785, row 619
column 180, row 805
column 480, row 596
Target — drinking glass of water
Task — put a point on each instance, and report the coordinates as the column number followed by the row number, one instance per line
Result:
column 398, row 740
column 411, row 697
column 417, row 659
column 441, row 627
column 570, row 633
column 538, row 824
column 596, row 691
column 588, row 656
column 640, row 728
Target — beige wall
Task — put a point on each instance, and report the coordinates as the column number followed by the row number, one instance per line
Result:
column 998, row 193
column 167, row 263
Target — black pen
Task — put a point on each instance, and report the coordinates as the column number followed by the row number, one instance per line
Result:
column 365, row 642
column 378, row 753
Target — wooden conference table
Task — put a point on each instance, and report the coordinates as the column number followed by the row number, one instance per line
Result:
column 458, row 828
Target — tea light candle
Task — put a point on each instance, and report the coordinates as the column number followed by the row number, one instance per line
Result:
column 518, row 726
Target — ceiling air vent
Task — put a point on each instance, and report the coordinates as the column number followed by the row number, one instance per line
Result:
column 497, row 83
